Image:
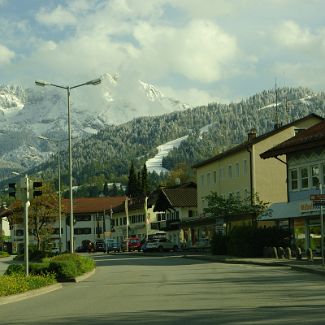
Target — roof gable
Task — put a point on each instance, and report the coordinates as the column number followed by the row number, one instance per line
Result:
column 253, row 141
column 313, row 137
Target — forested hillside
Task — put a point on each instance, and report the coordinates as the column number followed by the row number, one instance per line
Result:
column 107, row 155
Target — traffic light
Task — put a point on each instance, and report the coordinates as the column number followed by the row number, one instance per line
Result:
column 12, row 189
column 36, row 188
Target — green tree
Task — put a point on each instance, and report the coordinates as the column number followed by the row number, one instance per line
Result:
column 43, row 213
column 225, row 208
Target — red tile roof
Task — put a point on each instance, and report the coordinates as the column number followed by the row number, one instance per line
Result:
column 92, row 205
column 311, row 138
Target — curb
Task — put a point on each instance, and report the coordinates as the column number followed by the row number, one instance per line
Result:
column 300, row 268
column 29, row 294
column 84, row 276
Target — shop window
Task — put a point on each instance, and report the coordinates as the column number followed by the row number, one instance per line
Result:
column 294, row 179
column 315, row 176
column 304, row 178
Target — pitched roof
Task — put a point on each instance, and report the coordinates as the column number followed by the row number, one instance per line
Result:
column 176, row 197
column 92, row 205
column 255, row 140
column 181, row 197
column 313, row 137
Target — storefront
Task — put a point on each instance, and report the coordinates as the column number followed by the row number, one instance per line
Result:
column 302, row 218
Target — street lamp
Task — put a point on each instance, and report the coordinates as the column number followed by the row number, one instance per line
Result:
column 68, row 89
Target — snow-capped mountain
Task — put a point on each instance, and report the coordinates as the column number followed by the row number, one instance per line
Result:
column 28, row 113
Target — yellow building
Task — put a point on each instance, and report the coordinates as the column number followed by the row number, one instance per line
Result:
column 241, row 172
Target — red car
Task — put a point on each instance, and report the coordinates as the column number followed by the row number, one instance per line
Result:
column 134, row 244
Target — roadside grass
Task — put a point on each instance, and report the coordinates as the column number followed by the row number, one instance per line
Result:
column 19, row 283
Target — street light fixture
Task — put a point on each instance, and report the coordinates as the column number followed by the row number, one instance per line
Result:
column 43, row 83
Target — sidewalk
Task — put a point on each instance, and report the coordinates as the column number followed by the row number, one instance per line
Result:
column 303, row 265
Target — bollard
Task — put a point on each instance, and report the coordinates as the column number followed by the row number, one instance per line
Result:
column 274, row 252
column 288, row 254
column 298, row 253
column 309, row 254
column 280, row 252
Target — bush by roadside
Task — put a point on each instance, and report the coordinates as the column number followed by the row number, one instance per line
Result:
column 249, row 241
column 65, row 267
column 4, row 254
column 19, row 283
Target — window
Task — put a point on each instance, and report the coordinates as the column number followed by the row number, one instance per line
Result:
column 294, row 179
column 315, row 176
column 230, row 171
column 237, row 169
column 215, row 177
column 82, row 231
column 19, row 232
column 304, row 177
column 86, row 217
column 208, row 179
column 245, row 167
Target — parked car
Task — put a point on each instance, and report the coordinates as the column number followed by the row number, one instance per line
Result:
column 134, row 244
column 160, row 245
column 100, row 245
column 113, row 245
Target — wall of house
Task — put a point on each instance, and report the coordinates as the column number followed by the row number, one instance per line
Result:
column 227, row 175
column 312, row 163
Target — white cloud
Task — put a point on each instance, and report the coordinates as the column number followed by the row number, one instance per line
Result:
column 199, row 51
column 192, row 96
column 59, row 17
column 6, row 55
column 291, row 35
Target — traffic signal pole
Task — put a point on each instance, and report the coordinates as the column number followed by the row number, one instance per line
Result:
column 26, row 207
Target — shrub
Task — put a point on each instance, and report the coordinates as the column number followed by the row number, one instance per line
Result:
column 219, row 244
column 4, row 254
column 15, row 269
column 68, row 266
column 39, row 268
column 249, row 241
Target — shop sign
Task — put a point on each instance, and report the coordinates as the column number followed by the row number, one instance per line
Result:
column 318, row 200
column 307, row 206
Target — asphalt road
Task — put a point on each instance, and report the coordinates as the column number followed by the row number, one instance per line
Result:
column 173, row 290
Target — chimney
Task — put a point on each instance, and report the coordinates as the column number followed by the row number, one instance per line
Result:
column 251, row 135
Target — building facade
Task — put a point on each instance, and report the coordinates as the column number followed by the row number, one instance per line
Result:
column 241, row 172
column 305, row 164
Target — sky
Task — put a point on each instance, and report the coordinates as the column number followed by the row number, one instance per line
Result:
column 197, row 51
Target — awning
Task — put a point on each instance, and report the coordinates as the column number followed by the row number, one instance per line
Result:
column 287, row 210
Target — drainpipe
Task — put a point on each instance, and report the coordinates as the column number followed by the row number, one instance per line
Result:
column 251, row 171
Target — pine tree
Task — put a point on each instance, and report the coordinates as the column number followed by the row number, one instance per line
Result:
column 132, row 182
column 144, row 180
column 105, row 189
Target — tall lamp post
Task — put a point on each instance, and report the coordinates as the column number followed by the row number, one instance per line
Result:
column 68, row 89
